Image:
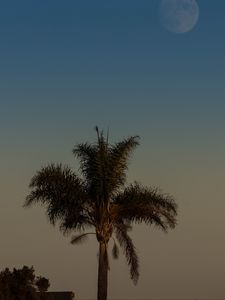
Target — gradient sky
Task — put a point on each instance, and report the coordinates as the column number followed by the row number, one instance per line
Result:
column 66, row 66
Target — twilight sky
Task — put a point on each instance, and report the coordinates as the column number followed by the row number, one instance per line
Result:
column 66, row 66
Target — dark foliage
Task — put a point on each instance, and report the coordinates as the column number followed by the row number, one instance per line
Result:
column 42, row 284
column 20, row 284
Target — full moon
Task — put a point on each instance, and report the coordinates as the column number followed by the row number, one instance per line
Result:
column 179, row 16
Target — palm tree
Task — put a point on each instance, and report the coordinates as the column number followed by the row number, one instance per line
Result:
column 100, row 200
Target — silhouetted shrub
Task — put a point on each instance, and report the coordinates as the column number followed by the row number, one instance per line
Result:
column 21, row 284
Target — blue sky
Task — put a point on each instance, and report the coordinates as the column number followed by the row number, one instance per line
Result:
column 84, row 55
column 66, row 66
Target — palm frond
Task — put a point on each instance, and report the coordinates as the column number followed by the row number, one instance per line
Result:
column 81, row 238
column 104, row 166
column 63, row 194
column 115, row 251
column 119, row 155
column 91, row 166
column 129, row 250
column 142, row 204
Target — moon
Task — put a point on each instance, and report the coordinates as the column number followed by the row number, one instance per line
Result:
column 179, row 16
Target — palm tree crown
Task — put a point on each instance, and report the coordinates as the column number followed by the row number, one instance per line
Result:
column 100, row 199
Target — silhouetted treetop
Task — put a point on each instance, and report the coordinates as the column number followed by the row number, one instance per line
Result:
column 20, row 284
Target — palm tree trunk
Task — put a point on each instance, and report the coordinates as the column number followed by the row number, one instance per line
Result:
column 102, row 271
